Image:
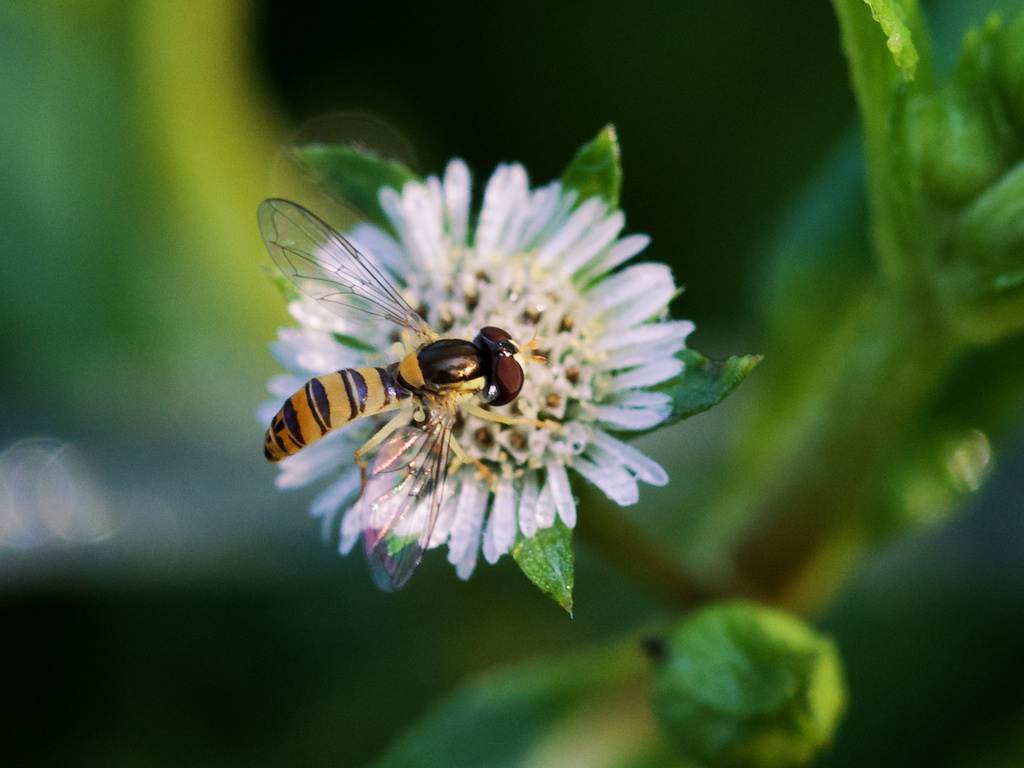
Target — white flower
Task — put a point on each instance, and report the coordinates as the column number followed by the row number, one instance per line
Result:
column 544, row 270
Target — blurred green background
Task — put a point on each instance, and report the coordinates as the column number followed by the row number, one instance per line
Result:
column 160, row 602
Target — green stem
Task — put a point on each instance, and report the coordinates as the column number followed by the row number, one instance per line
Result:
column 814, row 472
column 607, row 529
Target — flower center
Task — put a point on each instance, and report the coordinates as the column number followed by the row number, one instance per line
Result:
column 536, row 309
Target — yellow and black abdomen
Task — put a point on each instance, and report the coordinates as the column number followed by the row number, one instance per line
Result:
column 331, row 401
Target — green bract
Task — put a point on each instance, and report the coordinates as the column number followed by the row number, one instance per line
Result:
column 547, row 559
column 704, row 383
column 354, row 175
column 596, row 169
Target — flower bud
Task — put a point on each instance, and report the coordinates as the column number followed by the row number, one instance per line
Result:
column 960, row 135
column 983, row 280
column 744, row 685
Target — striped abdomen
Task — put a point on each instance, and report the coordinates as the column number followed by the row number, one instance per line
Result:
column 331, row 401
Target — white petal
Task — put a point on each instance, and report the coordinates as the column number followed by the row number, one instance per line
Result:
column 646, row 375
column 424, row 236
column 318, row 359
column 391, row 203
column 351, row 529
column 641, row 399
column 546, row 509
column 580, row 220
column 631, row 357
column 527, row 512
column 465, row 543
column 381, row 247
column 315, row 461
column 571, row 439
column 267, row 411
column 632, row 296
column 622, row 251
column 630, row 418
column 292, row 345
column 303, row 468
column 644, row 309
column 547, row 206
column 500, row 199
column 314, row 316
column 501, row 525
column 641, row 344
column 671, row 331
column 464, row 567
column 561, row 492
column 283, row 386
column 518, row 193
column 616, row 483
column 592, row 243
column 635, row 410
column 470, row 505
column 394, row 206
column 644, row 467
column 311, row 353
column 445, row 518
column 285, row 354
column 330, row 500
column 457, row 186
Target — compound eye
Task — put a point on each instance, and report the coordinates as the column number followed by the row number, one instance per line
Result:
column 494, row 335
column 508, row 379
column 506, row 371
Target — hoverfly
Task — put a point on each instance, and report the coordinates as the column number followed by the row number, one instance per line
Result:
column 403, row 486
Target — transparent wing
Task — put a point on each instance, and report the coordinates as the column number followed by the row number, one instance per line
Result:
column 403, row 494
column 326, row 266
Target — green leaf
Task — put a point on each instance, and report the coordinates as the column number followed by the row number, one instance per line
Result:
column 354, row 176
column 889, row 16
column 880, row 82
column 744, row 685
column 596, row 169
column 547, row 559
column 1008, row 65
column 583, row 709
column 703, row 383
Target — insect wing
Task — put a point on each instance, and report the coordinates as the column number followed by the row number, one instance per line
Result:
column 323, row 264
column 403, row 494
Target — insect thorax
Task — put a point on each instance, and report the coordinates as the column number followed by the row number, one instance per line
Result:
column 447, row 365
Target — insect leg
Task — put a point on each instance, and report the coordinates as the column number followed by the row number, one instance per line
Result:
column 461, row 457
column 399, row 420
column 476, row 410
